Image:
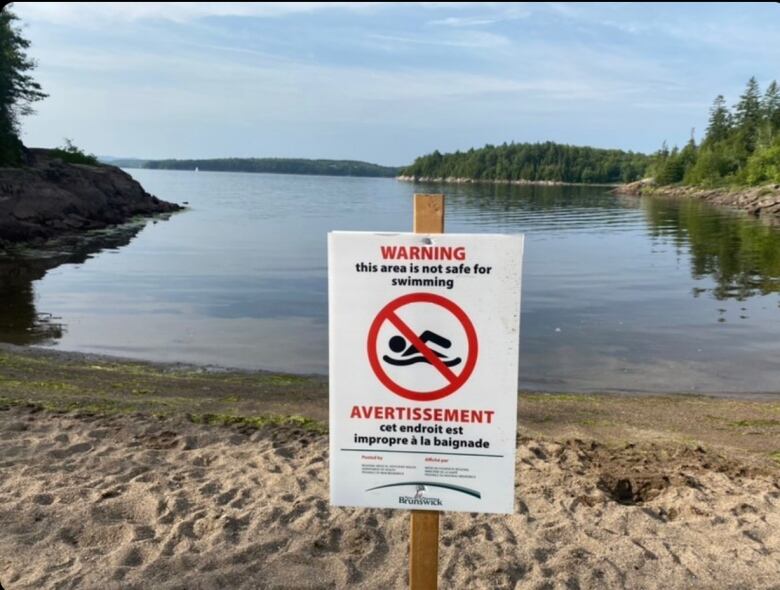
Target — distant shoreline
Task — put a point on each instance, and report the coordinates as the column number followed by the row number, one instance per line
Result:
column 519, row 182
column 309, row 167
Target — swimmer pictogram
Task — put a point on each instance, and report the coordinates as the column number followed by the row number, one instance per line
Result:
column 409, row 355
column 406, row 347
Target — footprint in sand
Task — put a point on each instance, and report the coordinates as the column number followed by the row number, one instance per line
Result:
column 223, row 499
column 43, row 499
column 72, row 450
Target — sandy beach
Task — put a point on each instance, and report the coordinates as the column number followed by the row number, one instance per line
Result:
column 101, row 495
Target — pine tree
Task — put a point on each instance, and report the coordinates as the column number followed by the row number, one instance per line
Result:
column 748, row 116
column 770, row 107
column 17, row 88
column 720, row 121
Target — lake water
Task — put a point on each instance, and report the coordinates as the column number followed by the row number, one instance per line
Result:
column 618, row 293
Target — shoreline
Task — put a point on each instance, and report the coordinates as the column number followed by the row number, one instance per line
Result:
column 759, row 201
column 59, row 381
column 520, row 182
column 72, row 356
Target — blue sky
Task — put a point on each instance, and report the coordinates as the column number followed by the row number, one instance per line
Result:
column 385, row 82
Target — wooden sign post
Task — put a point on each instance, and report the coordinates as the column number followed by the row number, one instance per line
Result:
column 423, row 346
column 424, row 524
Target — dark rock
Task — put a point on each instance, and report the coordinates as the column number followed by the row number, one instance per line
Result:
column 48, row 197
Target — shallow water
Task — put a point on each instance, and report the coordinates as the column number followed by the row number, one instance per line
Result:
column 618, row 293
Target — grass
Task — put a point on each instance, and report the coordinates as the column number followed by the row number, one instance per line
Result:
column 596, row 422
column 287, row 379
column 558, row 397
column 60, row 406
column 767, row 423
column 259, row 421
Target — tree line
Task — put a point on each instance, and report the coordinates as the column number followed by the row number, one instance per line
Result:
column 278, row 166
column 741, row 145
column 533, row 162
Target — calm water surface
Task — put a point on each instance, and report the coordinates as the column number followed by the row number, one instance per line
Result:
column 618, row 293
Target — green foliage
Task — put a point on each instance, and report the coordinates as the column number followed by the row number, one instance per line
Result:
column 73, row 155
column 764, row 165
column 279, row 166
column 713, row 164
column 740, row 147
column 18, row 91
column 720, row 121
column 533, row 162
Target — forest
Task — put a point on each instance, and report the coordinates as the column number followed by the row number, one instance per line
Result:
column 278, row 166
column 533, row 162
column 741, row 145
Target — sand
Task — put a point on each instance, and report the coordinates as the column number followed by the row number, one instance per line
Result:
column 132, row 501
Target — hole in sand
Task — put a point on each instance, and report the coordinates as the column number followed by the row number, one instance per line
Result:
column 633, row 489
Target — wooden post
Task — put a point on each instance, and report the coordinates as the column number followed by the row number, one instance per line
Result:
column 428, row 214
column 424, row 525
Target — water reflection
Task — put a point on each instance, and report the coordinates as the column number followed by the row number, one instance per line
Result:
column 240, row 280
column 741, row 255
column 20, row 322
column 542, row 210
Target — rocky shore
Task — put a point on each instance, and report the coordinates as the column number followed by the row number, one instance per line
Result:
column 464, row 180
column 47, row 198
column 759, row 201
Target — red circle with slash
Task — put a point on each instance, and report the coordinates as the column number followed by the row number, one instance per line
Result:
column 388, row 314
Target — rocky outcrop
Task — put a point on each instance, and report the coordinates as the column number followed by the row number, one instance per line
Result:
column 760, row 201
column 48, row 197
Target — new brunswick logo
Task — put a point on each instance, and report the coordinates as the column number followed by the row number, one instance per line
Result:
column 415, row 501
column 421, row 498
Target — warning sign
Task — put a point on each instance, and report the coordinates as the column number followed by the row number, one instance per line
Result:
column 424, row 338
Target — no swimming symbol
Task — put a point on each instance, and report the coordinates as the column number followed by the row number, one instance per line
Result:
column 409, row 348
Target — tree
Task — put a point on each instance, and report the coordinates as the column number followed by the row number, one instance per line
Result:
column 671, row 169
column 770, row 107
column 720, row 121
column 18, row 90
column 748, row 115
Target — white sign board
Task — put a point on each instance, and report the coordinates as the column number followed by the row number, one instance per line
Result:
column 424, row 335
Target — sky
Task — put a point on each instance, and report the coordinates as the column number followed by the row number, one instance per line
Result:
column 385, row 82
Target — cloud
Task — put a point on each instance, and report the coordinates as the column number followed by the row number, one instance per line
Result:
column 494, row 14
column 464, row 21
column 100, row 13
column 470, row 39
column 203, row 85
